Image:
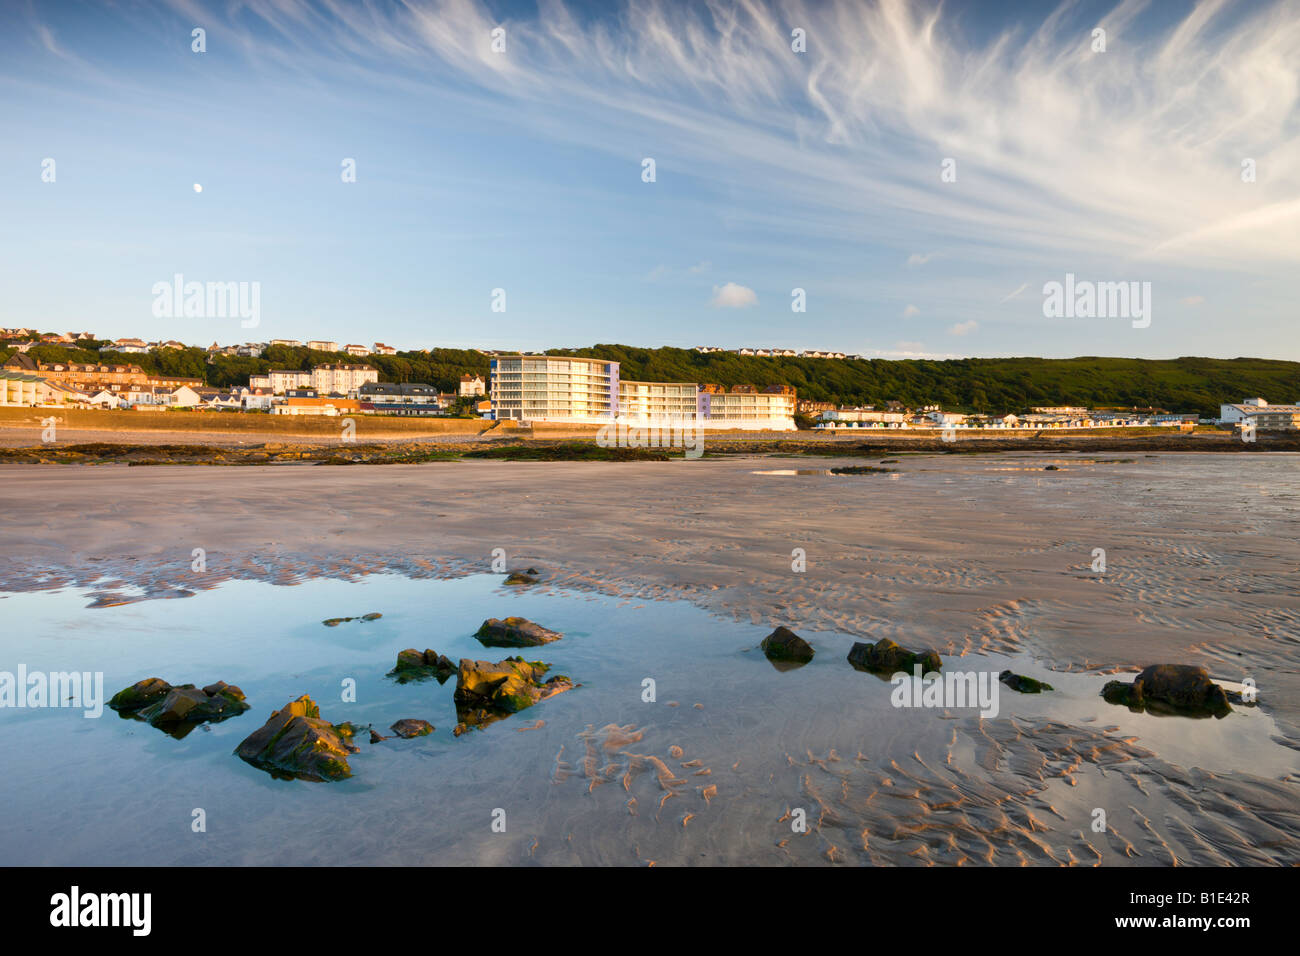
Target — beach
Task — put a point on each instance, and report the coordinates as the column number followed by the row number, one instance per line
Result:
column 985, row 557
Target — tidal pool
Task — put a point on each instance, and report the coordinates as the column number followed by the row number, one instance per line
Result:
column 682, row 745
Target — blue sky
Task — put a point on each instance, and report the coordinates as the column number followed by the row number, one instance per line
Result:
column 775, row 170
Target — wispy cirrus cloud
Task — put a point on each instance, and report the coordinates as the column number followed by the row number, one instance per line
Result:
column 1134, row 150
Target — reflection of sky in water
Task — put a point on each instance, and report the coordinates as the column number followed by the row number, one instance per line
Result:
column 84, row 791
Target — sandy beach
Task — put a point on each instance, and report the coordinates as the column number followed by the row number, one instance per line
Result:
column 975, row 555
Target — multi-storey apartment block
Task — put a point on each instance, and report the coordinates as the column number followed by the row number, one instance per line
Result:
column 554, row 389
column 546, row 388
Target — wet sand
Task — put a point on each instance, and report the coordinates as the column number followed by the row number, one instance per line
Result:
column 980, row 556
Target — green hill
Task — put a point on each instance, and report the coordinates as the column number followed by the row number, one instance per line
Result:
column 982, row 385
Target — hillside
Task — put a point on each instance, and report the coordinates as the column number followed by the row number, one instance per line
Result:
column 983, row 385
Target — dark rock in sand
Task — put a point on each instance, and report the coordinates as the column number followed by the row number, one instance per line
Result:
column 1176, row 689
column 1026, row 685
column 412, row 665
column 487, row 692
column 296, row 742
column 886, row 656
column 515, row 632
column 409, row 727
column 1052, row 468
column 523, row 577
column 786, row 646
column 179, row 709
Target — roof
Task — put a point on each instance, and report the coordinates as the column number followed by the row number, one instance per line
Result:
column 1253, row 410
column 21, row 360
column 397, row 388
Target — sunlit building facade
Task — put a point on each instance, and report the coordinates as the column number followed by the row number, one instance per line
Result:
column 559, row 389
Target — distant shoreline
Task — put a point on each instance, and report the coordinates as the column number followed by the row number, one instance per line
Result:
column 82, row 446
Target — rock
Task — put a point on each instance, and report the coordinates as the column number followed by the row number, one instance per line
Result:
column 522, row 577
column 336, row 621
column 1026, row 685
column 486, row 692
column 515, row 632
column 887, row 656
column 296, row 742
column 784, row 644
column 375, row 736
column 1181, row 689
column 409, row 727
column 1052, row 468
column 412, row 665
column 178, row 709
column 140, row 693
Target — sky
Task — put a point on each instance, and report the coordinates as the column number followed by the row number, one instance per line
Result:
column 922, row 171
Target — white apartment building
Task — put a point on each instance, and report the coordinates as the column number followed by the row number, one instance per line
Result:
column 320, row 345
column 747, row 407
column 641, row 403
column 280, row 381
column 554, row 388
column 471, row 385
column 549, row 388
column 341, row 379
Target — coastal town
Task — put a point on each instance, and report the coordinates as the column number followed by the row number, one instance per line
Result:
column 528, row 387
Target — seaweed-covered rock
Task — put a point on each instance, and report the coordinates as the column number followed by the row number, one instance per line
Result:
column 1026, row 685
column 523, row 577
column 1182, row 689
column 486, row 691
column 887, row 656
column 336, row 621
column 515, row 632
column 178, row 709
column 412, row 665
column 139, row 694
column 409, row 727
column 785, row 645
column 296, row 742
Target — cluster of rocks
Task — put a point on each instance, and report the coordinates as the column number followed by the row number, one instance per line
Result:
column 1182, row 689
column 521, row 578
column 178, row 709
